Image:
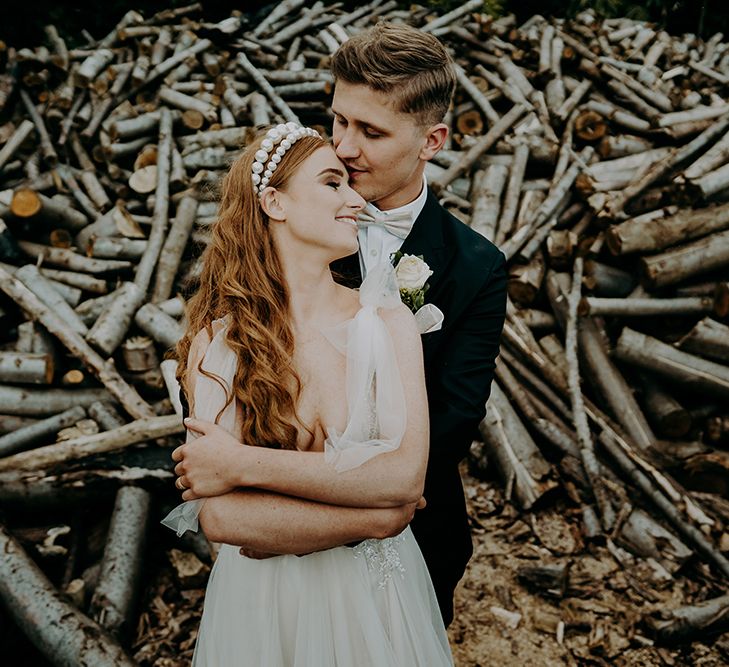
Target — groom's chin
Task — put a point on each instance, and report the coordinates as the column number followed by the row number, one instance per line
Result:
column 360, row 186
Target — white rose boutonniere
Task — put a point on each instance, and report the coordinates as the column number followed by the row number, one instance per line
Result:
column 412, row 275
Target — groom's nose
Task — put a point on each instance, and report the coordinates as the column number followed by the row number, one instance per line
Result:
column 347, row 147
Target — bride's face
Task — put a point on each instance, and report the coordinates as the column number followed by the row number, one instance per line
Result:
column 319, row 207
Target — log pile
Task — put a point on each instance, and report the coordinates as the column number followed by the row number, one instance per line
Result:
column 595, row 154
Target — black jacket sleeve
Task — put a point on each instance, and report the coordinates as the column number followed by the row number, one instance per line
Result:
column 460, row 381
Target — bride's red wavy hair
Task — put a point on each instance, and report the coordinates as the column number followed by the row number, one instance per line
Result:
column 242, row 277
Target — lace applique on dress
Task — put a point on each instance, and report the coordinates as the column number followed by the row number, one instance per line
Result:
column 382, row 556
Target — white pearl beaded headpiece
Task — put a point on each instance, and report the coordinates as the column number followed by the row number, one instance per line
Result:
column 280, row 138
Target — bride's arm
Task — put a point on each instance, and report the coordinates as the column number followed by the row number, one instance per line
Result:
column 275, row 524
column 388, row 480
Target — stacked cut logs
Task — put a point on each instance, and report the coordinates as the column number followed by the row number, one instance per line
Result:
column 595, row 154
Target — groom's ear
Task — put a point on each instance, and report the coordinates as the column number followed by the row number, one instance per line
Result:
column 272, row 205
column 435, row 137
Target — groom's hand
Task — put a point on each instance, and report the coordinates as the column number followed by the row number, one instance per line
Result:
column 207, row 466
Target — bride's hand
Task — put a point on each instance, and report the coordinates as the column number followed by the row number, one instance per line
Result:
column 208, row 465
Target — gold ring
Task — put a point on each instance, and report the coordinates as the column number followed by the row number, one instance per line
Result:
column 179, row 484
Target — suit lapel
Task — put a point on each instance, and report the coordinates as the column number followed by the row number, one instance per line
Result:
column 427, row 238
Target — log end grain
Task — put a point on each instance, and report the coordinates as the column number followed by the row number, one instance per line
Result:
column 25, row 203
column 144, row 180
column 192, row 119
column 590, row 126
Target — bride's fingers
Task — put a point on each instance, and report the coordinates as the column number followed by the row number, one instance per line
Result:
column 180, row 469
column 189, row 495
column 177, row 453
column 194, row 425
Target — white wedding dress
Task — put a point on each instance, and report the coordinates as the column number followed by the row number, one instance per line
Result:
column 368, row 606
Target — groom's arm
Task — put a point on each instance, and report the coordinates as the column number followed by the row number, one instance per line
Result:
column 277, row 524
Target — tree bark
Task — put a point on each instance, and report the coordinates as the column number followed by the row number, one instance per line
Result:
column 103, row 370
column 32, row 434
column 117, row 590
column 685, row 261
column 695, row 373
column 157, row 324
column 173, row 249
column 112, row 325
column 61, row 632
column 146, row 265
column 709, row 339
column 140, row 430
column 26, row 368
column 638, row 236
column 519, row 461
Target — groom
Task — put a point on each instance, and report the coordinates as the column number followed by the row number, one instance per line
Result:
column 393, row 86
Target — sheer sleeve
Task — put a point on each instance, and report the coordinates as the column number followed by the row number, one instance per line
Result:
column 375, row 396
column 209, row 396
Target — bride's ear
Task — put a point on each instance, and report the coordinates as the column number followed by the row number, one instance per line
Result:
column 272, row 204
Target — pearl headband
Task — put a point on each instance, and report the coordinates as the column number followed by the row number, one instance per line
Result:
column 281, row 137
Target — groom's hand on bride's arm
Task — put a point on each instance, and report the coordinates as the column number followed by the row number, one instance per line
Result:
column 209, row 465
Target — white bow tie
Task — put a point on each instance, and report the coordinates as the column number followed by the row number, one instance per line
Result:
column 398, row 224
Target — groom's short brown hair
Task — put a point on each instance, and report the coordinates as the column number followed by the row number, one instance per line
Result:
column 403, row 61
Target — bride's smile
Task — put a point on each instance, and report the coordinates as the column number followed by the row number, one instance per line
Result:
column 313, row 207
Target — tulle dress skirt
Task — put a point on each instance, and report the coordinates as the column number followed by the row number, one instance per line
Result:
column 368, row 606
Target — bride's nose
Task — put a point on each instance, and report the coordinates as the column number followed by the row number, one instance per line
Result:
column 356, row 202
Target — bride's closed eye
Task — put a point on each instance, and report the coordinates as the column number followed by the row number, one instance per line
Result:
column 334, row 184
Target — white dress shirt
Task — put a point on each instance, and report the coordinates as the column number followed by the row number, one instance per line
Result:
column 376, row 244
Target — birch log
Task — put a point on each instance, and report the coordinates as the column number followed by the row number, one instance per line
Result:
column 42, row 287
column 116, row 593
column 104, row 370
column 27, row 436
column 140, row 430
column 41, row 402
column 637, row 236
column 686, row 261
column 519, row 461
column 174, row 247
column 112, row 325
column 61, row 632
column 157, row 324
column 26, row 368
column 709, row 339
column 488, row 185
column 701, row 375
column 148, row 261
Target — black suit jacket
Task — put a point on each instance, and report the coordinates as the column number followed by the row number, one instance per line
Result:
column 469, row 285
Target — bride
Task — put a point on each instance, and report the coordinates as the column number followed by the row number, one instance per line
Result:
column 282, row 357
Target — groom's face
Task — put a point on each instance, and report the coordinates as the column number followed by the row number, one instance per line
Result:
column 383, row 149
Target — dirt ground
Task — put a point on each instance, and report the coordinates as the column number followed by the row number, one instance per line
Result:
column 499, row 622
column 603, row 619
